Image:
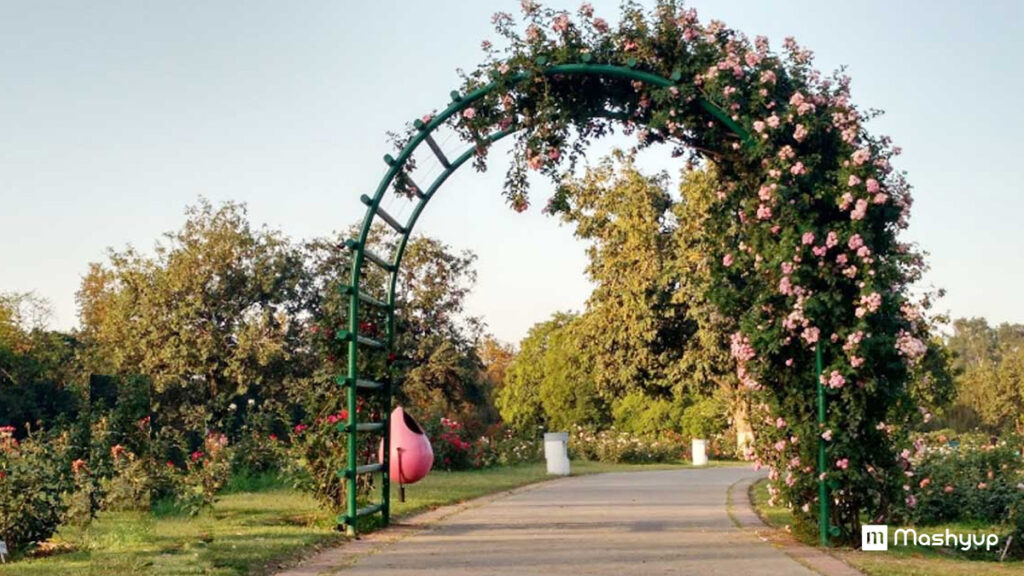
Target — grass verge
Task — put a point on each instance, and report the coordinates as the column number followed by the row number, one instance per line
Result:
column 898, row 560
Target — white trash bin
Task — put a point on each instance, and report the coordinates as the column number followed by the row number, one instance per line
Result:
column 556, row 452
column 699, row 448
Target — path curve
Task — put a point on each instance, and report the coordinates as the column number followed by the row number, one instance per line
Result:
column 659, row 522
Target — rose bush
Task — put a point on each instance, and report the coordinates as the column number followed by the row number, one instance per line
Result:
column 257, row 448
column 970, row 478
column 456, row 448
column 501, row 446
column 618, row 446
column 207, row 470
column 129, row 486
column 452, row 451
column 35, row 476
column 319, row 450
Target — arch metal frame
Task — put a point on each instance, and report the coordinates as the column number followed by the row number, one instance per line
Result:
column 352, row 382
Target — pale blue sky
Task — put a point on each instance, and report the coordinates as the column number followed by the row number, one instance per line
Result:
column 114, row 115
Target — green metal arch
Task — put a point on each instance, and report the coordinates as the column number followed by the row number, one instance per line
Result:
column 351, row 381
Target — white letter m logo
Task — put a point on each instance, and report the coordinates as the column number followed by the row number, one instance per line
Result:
column 874, row 537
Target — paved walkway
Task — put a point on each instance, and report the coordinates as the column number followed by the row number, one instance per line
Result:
column 665, row 522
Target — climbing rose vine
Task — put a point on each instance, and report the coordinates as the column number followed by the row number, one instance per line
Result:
column 807, row 219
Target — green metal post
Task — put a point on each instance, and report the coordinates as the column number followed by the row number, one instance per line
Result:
column 385, row 476
column 823, row 512
column 353, row 373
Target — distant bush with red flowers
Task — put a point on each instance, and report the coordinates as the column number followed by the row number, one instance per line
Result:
column 129, row 488
column 206, row 472
column 317, row 451
column 35, row 476
column 452, row 451
column 455, row 448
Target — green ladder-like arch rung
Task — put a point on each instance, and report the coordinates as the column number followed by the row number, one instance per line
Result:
column 364, row 469
column 364, row 298
column 380, row 213
column 346, row 336
column 361, row 512
column 357, row 247
column 361, row 384
column 363, row 427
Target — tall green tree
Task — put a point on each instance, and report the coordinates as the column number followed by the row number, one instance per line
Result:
column 632, row 322
column 213, row 315
column 656, row 343
column 39, row 383
column 989, row 380
column 550, row 382
column 435, row 364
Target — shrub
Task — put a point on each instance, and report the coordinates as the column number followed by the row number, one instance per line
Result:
column 206, row 473
column 167, row 483
column 129, row 487
column 622, row 447
column 80, row 502
column 504, row 447
column 257, row 449
column 452, row 450
column 1016, row 529
column 972, row 479
column 317, row 452
column 35, row 474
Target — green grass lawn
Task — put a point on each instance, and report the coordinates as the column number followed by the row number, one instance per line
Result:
column 254, row 532
column 898, row 560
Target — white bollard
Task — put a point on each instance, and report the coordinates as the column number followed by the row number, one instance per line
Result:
column 700, row 452
column 556, row 452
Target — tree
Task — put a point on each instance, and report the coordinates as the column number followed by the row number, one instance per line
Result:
column 989, row 377
column 632, row 324
column 549, row 384
column 213, row 315
column 435, row 364
column 496, row 357
column 973, row 343
column 657, row 343
column 38, row 366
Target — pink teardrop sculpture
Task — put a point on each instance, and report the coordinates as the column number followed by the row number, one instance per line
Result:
column 411, row 454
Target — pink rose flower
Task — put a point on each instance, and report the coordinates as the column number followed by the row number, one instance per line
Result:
column 835, row 380
column 831, row 239
column 561, row 23
column 860, row 156
column 860, row 209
